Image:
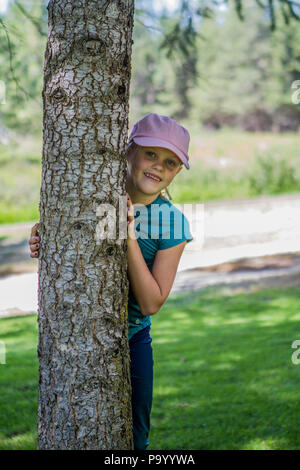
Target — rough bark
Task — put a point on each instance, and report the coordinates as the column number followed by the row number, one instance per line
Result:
column 84, row 365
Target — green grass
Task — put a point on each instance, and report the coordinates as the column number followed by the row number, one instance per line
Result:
column 223, row 376
column 20, row 177
column 257, row 164
column 18, row 383
column 269, row 172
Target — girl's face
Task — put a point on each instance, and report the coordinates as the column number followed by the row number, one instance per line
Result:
column 159, row 162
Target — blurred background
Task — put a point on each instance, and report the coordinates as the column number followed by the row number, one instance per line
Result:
column 229, row 83
column 235, row 85
column 228, row 71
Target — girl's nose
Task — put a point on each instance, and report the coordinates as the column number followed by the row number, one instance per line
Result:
column 158, row 165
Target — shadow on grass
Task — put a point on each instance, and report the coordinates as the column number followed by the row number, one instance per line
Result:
column 224, row 378
column 223, row 375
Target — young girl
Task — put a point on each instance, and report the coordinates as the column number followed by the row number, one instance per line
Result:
column 157, row 150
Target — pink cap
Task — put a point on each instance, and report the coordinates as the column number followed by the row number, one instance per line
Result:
column 161, row 131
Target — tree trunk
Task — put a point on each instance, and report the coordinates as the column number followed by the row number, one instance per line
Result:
column 84, row 364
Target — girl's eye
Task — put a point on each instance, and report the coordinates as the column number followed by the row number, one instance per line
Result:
column 169, row 162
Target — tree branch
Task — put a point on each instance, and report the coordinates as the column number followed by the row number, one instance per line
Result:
column 11, row 64
column 36, row 23
column 290, row 6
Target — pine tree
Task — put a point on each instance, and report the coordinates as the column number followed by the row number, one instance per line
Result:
column 84, row 368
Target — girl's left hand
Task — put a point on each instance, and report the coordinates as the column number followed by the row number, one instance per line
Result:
column 130, row 218
column 130, row 210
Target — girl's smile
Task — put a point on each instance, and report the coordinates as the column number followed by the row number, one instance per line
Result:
column 154, row 178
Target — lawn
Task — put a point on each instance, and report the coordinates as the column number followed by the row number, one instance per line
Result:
column 224, row 378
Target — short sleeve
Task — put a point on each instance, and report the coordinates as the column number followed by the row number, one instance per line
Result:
column 175, row 230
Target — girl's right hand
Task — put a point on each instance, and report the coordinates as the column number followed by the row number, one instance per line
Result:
column 34, row 241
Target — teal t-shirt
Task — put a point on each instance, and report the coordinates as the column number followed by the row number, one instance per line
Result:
column 158, row 226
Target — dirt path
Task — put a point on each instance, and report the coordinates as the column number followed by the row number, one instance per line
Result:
column 246, row 245
column 248, row 274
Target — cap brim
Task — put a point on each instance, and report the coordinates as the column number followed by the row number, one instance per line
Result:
column 151, row 142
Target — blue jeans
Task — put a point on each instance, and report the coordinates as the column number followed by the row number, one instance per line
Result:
column 141, row 358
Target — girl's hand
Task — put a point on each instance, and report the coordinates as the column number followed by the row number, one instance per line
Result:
column 130, row 218
column 34, row 241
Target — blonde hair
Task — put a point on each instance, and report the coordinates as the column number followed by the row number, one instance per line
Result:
column 168, row 194
column 132, row 147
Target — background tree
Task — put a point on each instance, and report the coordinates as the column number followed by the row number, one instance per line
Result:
column 84, row 369
column 19, row 38
column 244, row 74
column 173, row 68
